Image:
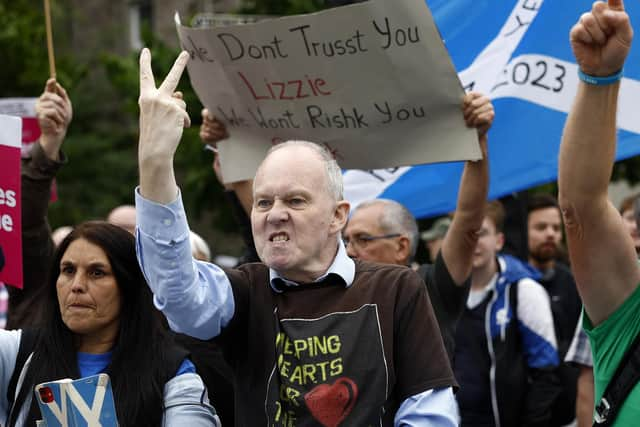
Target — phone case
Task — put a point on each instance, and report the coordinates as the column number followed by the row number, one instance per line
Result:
column 85, row 402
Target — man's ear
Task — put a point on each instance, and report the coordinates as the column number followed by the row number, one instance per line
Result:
column 340, row 216
column 499, row 241
column 404, row 250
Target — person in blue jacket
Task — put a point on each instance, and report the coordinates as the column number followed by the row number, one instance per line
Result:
column 505, row 349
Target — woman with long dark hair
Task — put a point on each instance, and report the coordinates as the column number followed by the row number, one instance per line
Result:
column 100, row 318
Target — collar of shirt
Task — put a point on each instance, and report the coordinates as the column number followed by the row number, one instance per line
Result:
column 476, row 297
column 342, row 267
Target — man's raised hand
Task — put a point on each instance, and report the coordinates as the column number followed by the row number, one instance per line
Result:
column 163, row 117
column 163, row 114
column 601, row 39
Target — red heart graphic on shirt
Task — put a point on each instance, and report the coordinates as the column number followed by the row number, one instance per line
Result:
column 330, row 404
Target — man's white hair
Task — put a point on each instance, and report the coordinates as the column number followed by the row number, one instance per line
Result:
column 396, row 218
column 334, row 173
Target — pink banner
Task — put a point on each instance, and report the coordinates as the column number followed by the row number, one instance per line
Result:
column 10, row 210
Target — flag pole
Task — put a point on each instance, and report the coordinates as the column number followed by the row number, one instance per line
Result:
column 52, row 61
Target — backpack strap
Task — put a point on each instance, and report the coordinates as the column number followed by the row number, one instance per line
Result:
column 623, row 380
column 28, row 340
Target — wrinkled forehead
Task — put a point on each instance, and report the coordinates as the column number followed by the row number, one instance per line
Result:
column 294, row 165
column 293, row 154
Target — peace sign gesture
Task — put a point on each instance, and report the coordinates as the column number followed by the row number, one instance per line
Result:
column 163, row 113
column 163, row 117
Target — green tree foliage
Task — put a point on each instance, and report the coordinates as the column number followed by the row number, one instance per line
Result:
column 101, row 144
column 22, row 34
column 25, row 66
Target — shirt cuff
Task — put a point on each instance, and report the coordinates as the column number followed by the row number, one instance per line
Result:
column 433, row 408
column 163, row 223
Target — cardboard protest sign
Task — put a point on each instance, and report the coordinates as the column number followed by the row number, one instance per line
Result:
column 371, row 81
column 10, row 213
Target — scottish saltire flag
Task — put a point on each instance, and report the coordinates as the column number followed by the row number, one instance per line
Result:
column 517, row 52
column 85, row 402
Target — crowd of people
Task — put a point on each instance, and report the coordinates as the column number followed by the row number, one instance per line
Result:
column 328, row 319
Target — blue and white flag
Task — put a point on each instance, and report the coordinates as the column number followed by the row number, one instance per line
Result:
column 85, row 402
column 518, row 53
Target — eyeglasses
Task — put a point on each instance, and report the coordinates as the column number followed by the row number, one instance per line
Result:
column 362, row 240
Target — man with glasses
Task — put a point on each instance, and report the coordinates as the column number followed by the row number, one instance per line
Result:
column 385, row 231
column 382, row 231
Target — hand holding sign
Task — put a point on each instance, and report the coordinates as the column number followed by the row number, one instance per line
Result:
column 478, row 112
column 602, row 38
column 54, row 112
column 212, row 130
column 163, row 117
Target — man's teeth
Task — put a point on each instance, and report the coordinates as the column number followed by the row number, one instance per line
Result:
column 280, row 238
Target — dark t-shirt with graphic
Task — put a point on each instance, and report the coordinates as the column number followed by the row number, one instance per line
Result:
column 326, row 355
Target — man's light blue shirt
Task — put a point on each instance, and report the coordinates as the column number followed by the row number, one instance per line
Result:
column 197, row 299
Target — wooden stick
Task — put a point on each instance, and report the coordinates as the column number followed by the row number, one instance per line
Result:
column 52, row 61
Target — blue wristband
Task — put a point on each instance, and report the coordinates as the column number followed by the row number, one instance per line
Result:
column 600, row 81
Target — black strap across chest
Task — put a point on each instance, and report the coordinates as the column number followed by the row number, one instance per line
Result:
column 624, row 379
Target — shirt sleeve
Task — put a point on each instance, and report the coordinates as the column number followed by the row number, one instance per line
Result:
column 420, row 359
column 447, row 298
column 536, row 325
column 186, row 403
column 9, row 345
column 432, row 408
column 195, row 296
column 580, row 349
